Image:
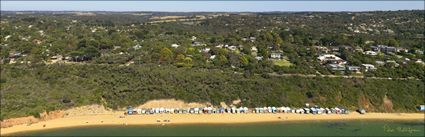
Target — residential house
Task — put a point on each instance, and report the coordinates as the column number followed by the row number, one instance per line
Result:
column 336, row 67
column 368, row 67
column 401, row 50
column 36, row 42
column 175, row 45
column 372, row 53
column 259, row 57
column 419, row 61
column 388, row 49
column 136, row 47
column 419, row 52
column 277, row 54
column 379, row 63
column 375, row 48
column 219, row 46
column 212, row 57
column 15, row 54
column 392, row 63
column 252, row 39
column 384, row 48
column 254, row 51
column 330, row 59
column 335, row 49
column 240, row 47
column 206, row 50
column 346, row 47
column 358, row 49
column 232, row 48
column 354, row 69
column 196, row 44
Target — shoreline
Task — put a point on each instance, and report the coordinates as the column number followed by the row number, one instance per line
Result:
column 114, row 119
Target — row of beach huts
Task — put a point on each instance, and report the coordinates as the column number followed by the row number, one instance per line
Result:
column 235, row 110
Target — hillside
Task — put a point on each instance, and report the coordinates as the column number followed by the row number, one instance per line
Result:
column 29, row 90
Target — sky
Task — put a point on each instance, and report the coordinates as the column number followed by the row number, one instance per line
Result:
column 227, row 6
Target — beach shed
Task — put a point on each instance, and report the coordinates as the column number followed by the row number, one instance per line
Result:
column 222, row 110
column 209, row 110
column 261, row 110
column 233, row 110
column 333, row 110
column 362, row 111
column 130, row 110
column 313, row 110
column 246, row 110
column 422, row 108
column 338, row 110
column 274, row 110
column 307, row 110
column 196, row 110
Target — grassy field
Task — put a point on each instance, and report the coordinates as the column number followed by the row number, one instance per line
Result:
column 282, row 63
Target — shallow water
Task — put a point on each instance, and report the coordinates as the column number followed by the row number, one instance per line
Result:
column 310, row 128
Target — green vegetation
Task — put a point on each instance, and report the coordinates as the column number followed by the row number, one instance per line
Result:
column 282, row 63
column 28, row 90
column 125, row 58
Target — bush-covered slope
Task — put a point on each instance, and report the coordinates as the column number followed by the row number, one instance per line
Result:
column 30, row 90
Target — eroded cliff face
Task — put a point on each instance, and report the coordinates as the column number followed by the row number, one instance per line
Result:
column 83, row 110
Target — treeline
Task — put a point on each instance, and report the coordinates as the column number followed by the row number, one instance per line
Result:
column 29, row 90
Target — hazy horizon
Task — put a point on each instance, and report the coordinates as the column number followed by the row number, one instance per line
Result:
column 212, row 6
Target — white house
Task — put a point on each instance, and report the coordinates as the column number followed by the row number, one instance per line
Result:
column 136, row 47
column 276, row 54
column 219, row 46
column 212, row 56
column 368, row 67
column 194, row 38
column 206, row 49
column 175, row 45
column 331, row 59
column 254, row 49
column 372, row 53
column 259, row 57
column 232, row 48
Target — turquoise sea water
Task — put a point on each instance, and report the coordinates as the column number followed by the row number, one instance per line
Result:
column 310, row 128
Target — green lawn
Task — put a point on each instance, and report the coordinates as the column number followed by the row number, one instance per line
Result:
column 282, row 63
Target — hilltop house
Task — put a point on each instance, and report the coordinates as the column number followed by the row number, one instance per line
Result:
column 36, row 42
column 331, row 59
column 392, row 63
column 384, row 48
column 136, row 47
column 175, row 45
column 196, row 44
column 206, row 50
column 336, row 67
column 277, row 54
column 368, row 67
column 254, row 49
column 379, row 63
column 232, row 48
column 372, row 53
column 354, row 69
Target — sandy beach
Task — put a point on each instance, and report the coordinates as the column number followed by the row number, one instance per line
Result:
column 116, row 118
